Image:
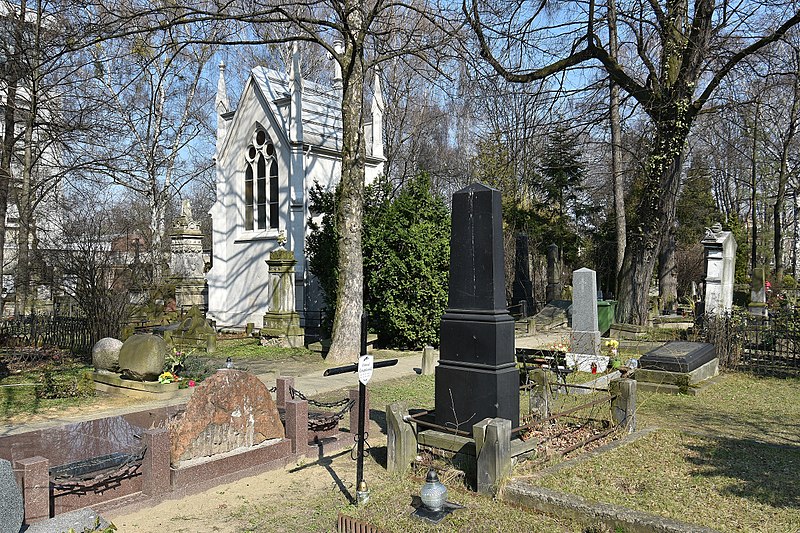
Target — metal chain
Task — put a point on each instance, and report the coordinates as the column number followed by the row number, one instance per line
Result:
column 85, row 482
column 330, row 421
column 328, row 405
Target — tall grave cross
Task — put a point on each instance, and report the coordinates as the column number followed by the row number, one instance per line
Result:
column 477, row 376
column 364, row 367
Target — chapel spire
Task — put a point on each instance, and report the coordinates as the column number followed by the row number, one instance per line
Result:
column 296, row 90
column 377, row 118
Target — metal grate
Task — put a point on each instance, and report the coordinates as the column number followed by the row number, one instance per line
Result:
column 348, row 524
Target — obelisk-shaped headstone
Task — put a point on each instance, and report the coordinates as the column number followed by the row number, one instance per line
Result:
column 476, row 377
column 585, row 332
column 522, row 288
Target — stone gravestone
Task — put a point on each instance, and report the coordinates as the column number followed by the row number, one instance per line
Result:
column 229, row 410
column 142, row 356
column 282, row 319
column 677, row 367
column 553, row 290
column 186, row 263
column 585, row 338
column 105, row 354
column 522, row 288
column 11, row 509
column 758, row 293
column 720, row 258
column 477, row 376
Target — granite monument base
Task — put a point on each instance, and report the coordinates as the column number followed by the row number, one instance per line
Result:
column 493, row 393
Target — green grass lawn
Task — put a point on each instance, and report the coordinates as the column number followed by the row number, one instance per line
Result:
column 28, row 392
column 727, row 459
column 728, row 484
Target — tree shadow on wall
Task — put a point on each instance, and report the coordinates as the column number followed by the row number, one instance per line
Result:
column 762, row 472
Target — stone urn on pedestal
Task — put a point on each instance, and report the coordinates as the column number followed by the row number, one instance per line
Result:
column 282, row 320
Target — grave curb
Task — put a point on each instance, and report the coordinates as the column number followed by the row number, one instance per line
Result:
column 574, row 507
column 551, row 502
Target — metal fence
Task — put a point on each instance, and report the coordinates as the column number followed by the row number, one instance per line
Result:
column 771, row 345
column 69, row 333
column 768, row 345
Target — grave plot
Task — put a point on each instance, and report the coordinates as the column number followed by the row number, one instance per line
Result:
column 231, row 427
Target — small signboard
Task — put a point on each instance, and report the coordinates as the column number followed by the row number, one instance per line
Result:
column 364, row 369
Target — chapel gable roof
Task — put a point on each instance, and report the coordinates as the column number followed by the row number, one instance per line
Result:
column 322, row 120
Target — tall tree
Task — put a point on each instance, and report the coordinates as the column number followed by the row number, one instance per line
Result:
column 359, row 35
column 676, row 62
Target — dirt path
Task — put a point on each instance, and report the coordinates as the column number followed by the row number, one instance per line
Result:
column 300, row 497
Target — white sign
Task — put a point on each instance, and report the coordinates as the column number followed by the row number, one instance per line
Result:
column 364, row 368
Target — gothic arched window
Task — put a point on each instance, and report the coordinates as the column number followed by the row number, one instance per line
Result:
column 260, row 157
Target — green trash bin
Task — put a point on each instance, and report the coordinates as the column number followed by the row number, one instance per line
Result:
column 605, row 315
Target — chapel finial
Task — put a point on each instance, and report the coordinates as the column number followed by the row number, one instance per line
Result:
column 222, row 103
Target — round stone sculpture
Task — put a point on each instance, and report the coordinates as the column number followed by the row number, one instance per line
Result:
column 142, row 357
column 105, row 354
column 11, row 510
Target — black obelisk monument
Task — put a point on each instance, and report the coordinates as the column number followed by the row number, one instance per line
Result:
column 477, row 376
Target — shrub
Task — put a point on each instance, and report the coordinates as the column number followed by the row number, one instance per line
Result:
column 407, row 264
column 406, row 260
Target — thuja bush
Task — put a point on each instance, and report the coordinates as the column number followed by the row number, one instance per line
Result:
column 406, row 263
column 406, row 246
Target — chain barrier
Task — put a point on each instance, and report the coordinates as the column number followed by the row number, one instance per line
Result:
column 88, row 481
column 324, row 423
column 326, row 405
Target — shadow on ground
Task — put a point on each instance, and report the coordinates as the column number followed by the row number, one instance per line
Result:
column 760, row 471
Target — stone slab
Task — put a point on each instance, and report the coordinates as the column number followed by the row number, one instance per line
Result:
column 707, row 370
column 615, row 517
column 663, row 388
column 83, row 520
column 114, row 384
column 678, row 356
column 466, row 445
column 204, row 469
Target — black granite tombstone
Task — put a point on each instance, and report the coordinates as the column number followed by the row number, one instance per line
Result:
column 678, row 356
column 477, row 377
column 522, row 288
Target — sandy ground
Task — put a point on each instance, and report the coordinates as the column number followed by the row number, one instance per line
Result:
column 279, row 500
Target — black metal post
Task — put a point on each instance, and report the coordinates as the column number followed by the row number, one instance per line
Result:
column 362, row 404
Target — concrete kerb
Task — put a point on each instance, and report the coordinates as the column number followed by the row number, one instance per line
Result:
column 520, row 491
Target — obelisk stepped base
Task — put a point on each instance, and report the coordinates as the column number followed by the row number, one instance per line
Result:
column 492, row 393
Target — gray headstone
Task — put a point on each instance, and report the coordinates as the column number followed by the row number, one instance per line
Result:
column 585, row 332
column 11, row 509
column 105, row 354
column 720, row 257
column 142, row 357
column 553, row 291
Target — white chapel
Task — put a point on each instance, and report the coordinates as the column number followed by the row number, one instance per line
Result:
column 284, row 136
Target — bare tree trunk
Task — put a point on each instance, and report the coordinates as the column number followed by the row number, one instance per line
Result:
column 783, row 175
column 12, row 78
column 346, row 333
column 25, row 207
column 616, row 147
column 753, row 190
